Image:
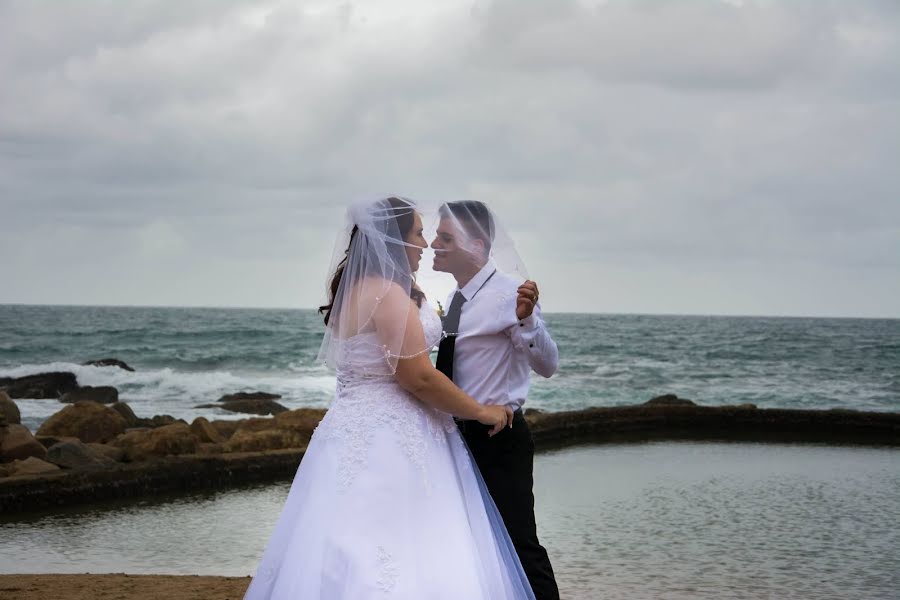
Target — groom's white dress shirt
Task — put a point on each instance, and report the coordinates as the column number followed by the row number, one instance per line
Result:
column 495, row 351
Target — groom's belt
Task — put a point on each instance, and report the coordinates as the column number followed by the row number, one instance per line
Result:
column 471, row 426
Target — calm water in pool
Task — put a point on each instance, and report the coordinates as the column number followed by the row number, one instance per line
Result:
column 659, row 520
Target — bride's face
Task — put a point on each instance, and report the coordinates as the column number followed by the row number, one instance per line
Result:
column 416, row 237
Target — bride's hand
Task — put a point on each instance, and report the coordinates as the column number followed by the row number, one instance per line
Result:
column 497, row 417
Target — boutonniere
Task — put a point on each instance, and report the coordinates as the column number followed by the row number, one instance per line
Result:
column 440, row 309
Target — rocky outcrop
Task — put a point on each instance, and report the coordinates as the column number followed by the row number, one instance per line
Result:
column 226, row 428
column 250, row 407
column 102, row 394
column 42, row 385
column 9, row 412
column 290, row 429
column 109, row 362
column 669, row 400
column 157, row 421
column 248, row 396
column 111, row 452
column 205, row 431
column 16, row 442
column 208, row 468
column 31, row 466
column 88, row 421
column 644, row 422
column 143, row 444
column 253, row 403
column 123, row 409
column 142, row 479
column 77, row 455
column 51, row 440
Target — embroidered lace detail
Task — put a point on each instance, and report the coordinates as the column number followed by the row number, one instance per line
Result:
column 387, row 577
column 367, row 401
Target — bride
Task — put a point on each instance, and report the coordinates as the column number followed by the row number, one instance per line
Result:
column 387, row 502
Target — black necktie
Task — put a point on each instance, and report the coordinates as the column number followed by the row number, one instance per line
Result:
column 448, row 343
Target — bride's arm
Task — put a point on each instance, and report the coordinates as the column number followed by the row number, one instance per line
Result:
column 397, row 314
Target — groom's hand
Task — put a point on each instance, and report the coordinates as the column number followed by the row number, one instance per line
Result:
column 527, row 298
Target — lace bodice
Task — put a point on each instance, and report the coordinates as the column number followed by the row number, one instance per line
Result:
column 363, row 357
column 367, row 397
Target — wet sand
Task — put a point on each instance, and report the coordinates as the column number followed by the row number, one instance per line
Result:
column 120, row 586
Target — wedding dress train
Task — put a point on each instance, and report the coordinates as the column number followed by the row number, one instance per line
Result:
column 387, row 502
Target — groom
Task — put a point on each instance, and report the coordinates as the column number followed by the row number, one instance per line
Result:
column 500, row 339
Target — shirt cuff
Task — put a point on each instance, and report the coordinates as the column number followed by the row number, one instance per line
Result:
column 529, row 323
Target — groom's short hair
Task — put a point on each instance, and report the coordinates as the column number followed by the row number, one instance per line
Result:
column 474, row 216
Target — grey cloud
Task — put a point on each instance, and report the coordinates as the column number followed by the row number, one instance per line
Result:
column 188, row 146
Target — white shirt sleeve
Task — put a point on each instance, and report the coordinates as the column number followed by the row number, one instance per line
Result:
column 530, row 335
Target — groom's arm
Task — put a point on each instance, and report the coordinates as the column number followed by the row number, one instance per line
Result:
column 530, row 335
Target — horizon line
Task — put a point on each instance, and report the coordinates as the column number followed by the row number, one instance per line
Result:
column 558, row 312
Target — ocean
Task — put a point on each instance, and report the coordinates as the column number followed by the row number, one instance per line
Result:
column 188, row 356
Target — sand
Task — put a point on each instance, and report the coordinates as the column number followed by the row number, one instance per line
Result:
column 120, row 586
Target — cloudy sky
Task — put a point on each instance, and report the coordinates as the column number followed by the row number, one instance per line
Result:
column 692, row 157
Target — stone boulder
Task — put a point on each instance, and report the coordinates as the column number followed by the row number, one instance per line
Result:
column 227, row 428
column 158, row 421
column 9, row 412
column 173, row 439
column 86, row 420
column 111, row 452
column 131, row 419
column 103, row 394
column 669, row 400
column 32, row 466
column 42, row 385
column 270, row 439
column 77, row 455
column 301, row 420
column 251, row 407
column 52, row 440
column 16, row 442
column 205, row 431
column 109, row 362
column 248, row 396
column 290, row 429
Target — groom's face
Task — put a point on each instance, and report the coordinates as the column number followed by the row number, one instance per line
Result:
column 453, row 252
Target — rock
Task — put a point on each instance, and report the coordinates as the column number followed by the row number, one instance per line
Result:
column 123, row 409
column 73, row 455
column 669, row 400
column 51, row 440
column 227, row 428
column 158, row 421
column 301, row 420
column 16, row 442
column 32, row 466
column 9, row 412
column 252, row 407
column 86, row 420
column 270, row 439
column 109, row 362
column 5, row 470
column 211, row 448
column 248, row 396
column 166, row 440
column 290, row 429
column 205, row 431
column 42, row 385
column 746, row 406
column 112, row 452
column 104, row 394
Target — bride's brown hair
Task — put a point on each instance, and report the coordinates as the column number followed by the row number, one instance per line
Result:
column 405, row 219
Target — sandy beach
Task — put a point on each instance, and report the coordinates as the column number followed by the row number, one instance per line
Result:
column 121, row 586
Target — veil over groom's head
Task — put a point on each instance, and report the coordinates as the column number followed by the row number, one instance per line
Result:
column 468, row 234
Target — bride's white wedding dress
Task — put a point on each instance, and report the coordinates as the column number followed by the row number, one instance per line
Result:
column 387, row 502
